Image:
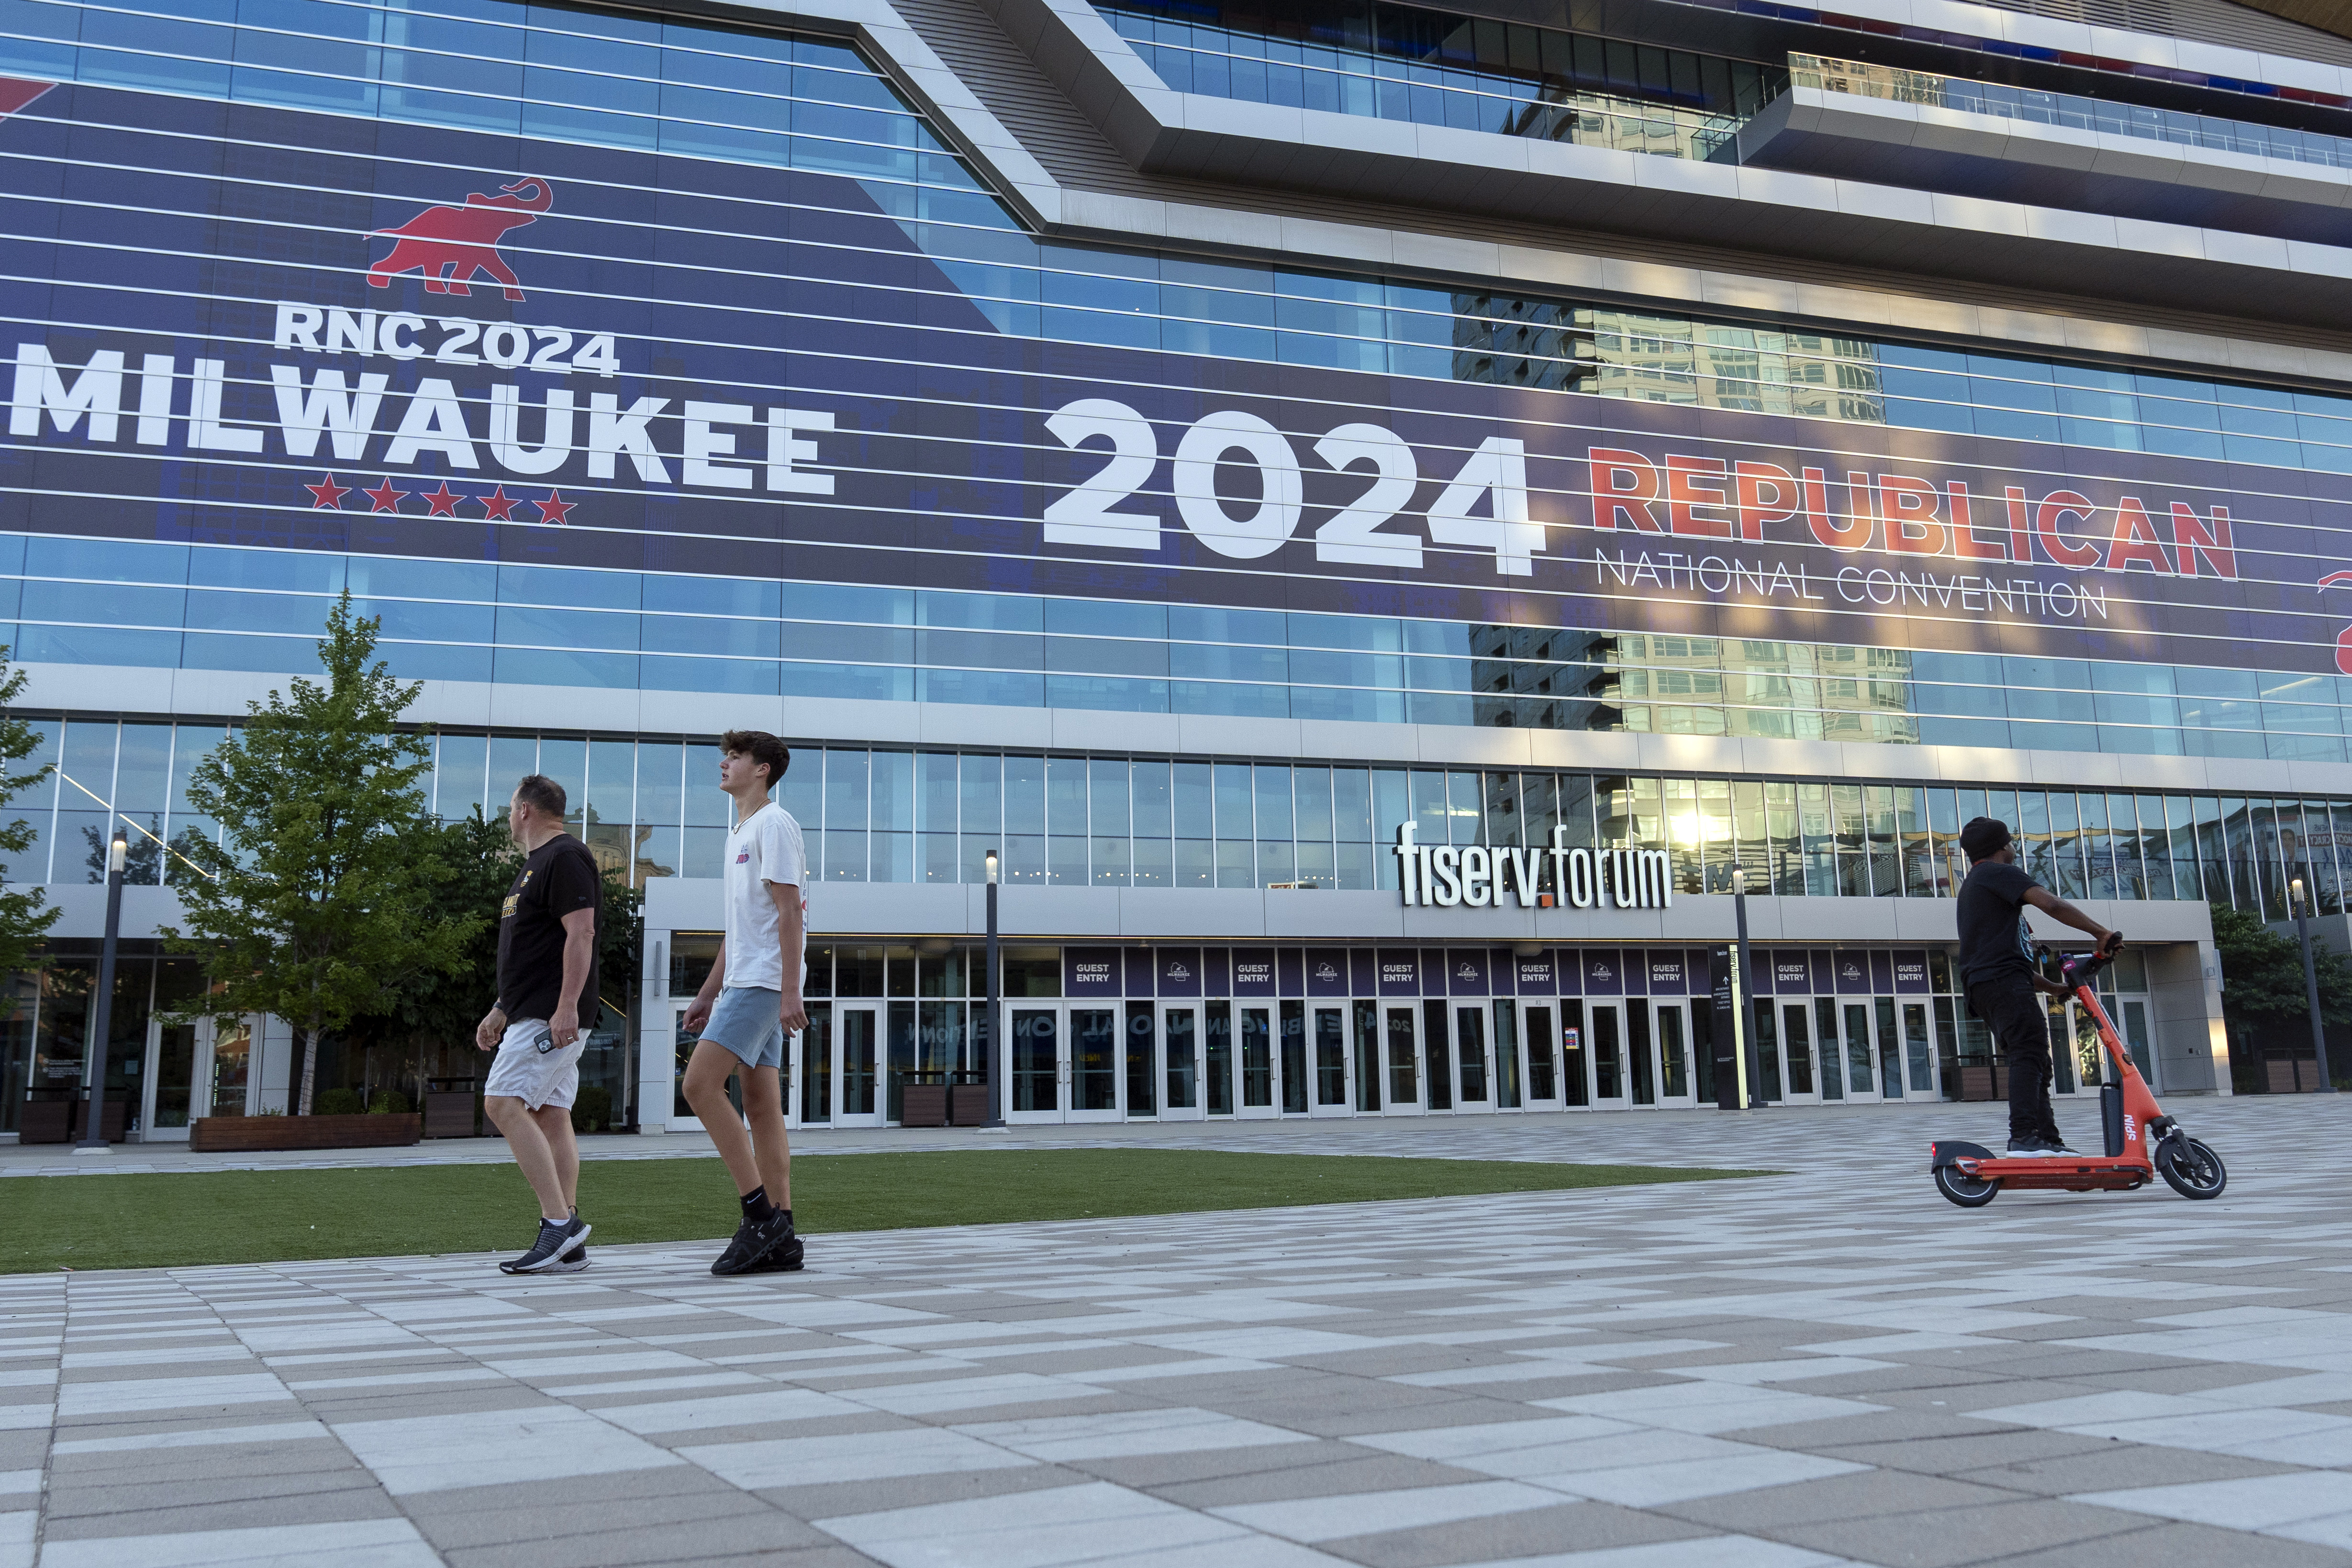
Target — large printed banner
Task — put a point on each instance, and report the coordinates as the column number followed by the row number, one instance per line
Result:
column 240, row 324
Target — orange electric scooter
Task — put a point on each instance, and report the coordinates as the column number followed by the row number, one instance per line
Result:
column 2142, row 1141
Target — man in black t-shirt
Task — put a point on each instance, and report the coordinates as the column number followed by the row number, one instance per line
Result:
column 547, row 999
column 1998, row 970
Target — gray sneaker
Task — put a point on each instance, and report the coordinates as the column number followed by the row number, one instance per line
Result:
column 547, row 1253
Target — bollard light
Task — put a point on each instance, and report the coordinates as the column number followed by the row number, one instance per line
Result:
column 101, row 1022
column 2298, row 904
column 999, row 1086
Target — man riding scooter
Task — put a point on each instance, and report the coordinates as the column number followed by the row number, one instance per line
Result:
column 1997, row 968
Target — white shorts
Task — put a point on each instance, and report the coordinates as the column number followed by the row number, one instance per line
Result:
column 537, row 1078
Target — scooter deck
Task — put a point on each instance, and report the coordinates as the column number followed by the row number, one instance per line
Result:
column 2058, row 1174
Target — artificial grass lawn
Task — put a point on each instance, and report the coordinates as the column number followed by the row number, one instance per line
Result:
column 145, row 1221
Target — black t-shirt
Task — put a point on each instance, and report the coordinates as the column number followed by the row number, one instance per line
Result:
column 557, row 878
column 1993, row 933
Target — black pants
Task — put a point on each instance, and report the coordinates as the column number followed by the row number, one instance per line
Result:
column 2021, row 1023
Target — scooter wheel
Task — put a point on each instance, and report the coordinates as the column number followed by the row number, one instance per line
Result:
column 1968, row 1191
column 2190, row 1168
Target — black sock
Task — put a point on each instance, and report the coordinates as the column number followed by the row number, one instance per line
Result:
column 756, row 1206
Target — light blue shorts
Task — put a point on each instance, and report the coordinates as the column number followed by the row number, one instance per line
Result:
column 749, row 1021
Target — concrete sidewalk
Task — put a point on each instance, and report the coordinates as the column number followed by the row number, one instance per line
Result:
column 1779, row 1137
column 1832, row 1365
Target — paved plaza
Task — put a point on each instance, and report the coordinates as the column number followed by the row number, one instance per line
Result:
column 1828, row 1365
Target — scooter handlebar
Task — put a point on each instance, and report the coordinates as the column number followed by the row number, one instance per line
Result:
column 2082, row 968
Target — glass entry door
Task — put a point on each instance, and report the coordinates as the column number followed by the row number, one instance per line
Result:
column 178, row 1066
column 1605, row 1045
column 1401, row 1047
column 1861, row 1075
column 1328, row 1044
column 1829, row 1055
column 231, row 1068
column 1474, row 1059
column 1092, row 1039
column 1039, row 1063
column 1670, row 1049
column 1800, row 1078
column 1254, row 1060
column 1181, row 1052
column 2078, row 1062
column 1918, row 1050
column 1066, row 1062
column 857, row 1064
column 1540, row 1054
column 809, row 1097
column 1575, row 1057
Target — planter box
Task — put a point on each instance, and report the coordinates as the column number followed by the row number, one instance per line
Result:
column 923, row 1105
column 231, row 1134
column 449, row 1113
column 968, row 1105
column 59, row 1122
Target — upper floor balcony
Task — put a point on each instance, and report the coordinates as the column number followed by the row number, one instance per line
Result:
column 1852, row 119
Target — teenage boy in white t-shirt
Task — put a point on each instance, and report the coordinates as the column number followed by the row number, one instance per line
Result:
column 750, row 1008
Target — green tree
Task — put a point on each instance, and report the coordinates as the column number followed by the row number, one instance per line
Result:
column 2263, row 998
column 481, row 859
column 26, row 915
column 443, row 1006
column 620, row 933
column 319, row 904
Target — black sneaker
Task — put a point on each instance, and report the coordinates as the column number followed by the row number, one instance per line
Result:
column 784, row 1257
column 554, row 1240
column 2020, row 1147
column 571, row 1262
column 752, row 1243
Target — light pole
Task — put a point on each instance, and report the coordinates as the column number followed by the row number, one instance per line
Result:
column 1000, row 1091
column 1743, row 983
column 2302, row 901
column 101, row 1020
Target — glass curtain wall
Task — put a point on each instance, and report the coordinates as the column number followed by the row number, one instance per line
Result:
column 653, row 808
column 676, row 631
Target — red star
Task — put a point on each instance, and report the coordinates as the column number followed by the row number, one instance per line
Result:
column 386, row 497
column 328, row 496
column 498, row 505
column 443, row 501
column 551, row 510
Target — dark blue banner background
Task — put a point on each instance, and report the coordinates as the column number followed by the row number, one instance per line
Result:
column 155, row 225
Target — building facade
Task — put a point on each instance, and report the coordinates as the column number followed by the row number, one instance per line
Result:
column 1380, row 515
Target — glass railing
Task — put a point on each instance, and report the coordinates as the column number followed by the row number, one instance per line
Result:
column 1433, row 83
column 1897, row 86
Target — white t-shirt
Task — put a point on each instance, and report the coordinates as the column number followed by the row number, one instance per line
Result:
column 764, row 847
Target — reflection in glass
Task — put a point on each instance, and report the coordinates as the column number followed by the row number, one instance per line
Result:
column 1094, row 1059
column 1035, row 1061
column 1674, row 1055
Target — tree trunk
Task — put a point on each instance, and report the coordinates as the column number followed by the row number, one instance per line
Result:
column 310, row 1064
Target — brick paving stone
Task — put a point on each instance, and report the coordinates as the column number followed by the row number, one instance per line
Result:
column 1829, row 1366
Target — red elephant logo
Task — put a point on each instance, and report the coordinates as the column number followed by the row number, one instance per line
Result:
column 450, row 244
column 2343, row 638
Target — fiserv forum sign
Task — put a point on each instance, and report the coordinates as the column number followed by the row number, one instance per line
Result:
column 235, row 322
column 1485, row 876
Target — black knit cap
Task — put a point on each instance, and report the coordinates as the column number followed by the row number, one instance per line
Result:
column 1983, row 836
